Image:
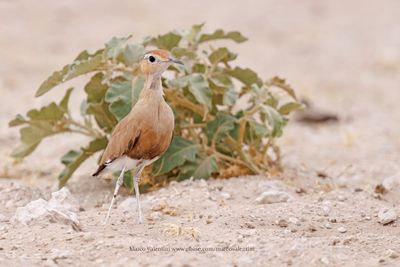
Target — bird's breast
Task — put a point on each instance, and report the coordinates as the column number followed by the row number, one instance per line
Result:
column 156, row 132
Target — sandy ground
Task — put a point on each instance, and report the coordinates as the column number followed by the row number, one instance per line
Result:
column 344, row 58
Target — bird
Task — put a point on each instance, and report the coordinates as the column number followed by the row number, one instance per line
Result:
column 143, row 135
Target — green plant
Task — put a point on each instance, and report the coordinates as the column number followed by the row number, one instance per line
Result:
column 227, row 118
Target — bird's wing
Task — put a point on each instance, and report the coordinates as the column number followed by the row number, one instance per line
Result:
column 124, row 138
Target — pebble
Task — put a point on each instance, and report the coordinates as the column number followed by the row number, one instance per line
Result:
column 294, row 220
column 342, row 230
column 60, row 208
column 312, row 228
column 64, row 198
column 386, row 216
column 89, row 236
column 324, row 260
column 283, row 223
column 226, row 195
column 341, row 198
column 155, row 216
column 392, row 254
column 328, row 226
column 326, row 210
column 273, row 196
column 391, row 182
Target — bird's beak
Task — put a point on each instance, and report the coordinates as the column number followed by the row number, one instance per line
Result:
column 177, row 61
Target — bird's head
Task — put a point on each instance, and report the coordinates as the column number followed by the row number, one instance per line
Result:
column 157, row 61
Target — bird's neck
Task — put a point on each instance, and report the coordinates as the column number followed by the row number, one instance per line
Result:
column 152, row 86
column 153, row 82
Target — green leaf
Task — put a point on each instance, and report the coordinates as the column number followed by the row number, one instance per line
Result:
column 52, row 112
column 95, row 89
column 119, row 96
column 281, row 83
column 104, row 118
column 275, row 120
column 96, row 105
column 193, row 34
column 18, row 120
column 256, row 131
column 222, row 54
column 230, row 97
column 55, row 79
column 201, row 169
column 44, row 122
column 115, row 47
column 289, row 107
column 218, row 128
column 200, row 89
column 31, row 137
column 85, row 66
column 246, row 76
column 24, row 149
column 166, row 41
column 64, row 102
column 220, row 34
column 180, row 151
column 181, row 52
column 133, row 54
column 77, row 68
column 73, row 159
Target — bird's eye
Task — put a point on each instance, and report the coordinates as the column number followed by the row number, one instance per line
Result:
column 152, row 59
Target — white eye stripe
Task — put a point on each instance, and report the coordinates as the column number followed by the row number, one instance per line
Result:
column 150, row 58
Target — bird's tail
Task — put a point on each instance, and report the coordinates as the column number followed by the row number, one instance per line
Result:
column 99, row 170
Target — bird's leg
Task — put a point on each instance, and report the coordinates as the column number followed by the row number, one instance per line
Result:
column 118, row 184
column 136, row 181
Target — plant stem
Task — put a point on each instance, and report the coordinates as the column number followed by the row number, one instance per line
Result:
column 83, row 128
column 179, row 100
column 194, row 125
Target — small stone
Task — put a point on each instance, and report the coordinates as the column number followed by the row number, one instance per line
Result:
column 391, row 182
column 328, row 226
column 56, row 254
column 386, row 216
column 249, row 225
column 300, row 190
column 226, row 195
column 294, row 220
column 324, row 260
column 342, row 230
column 341, row 198
column 283, row 223
column 89, row 236
column 326, row 210
column 53, row 211
column 31, row 211
column 335, row 241
column 273, row 196
column 65, row 199
column 332, row 220
column 312, row 228
column 392, row 254
column 155, row 216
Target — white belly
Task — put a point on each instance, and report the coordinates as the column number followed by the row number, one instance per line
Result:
column 129, row 164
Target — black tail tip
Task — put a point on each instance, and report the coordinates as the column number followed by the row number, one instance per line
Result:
column 99, row 170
